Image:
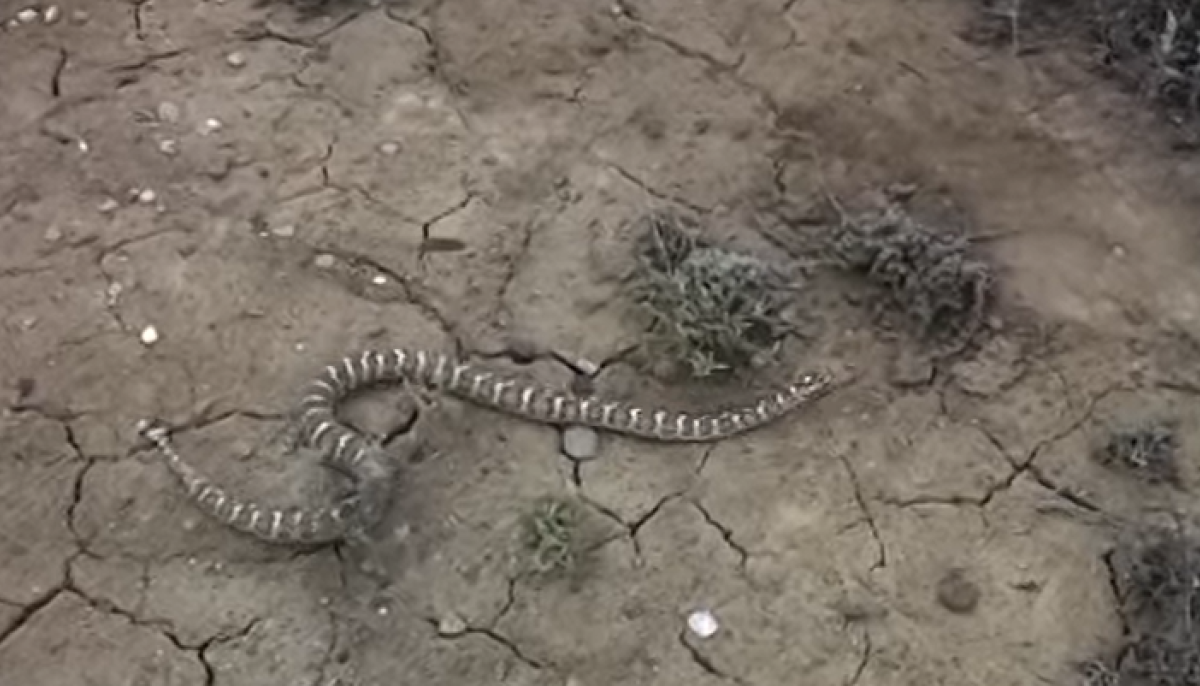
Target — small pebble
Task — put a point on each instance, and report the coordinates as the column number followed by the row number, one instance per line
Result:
column 147, row 197
column 51, row 14
column 168, row 112
column 236, row 60
column 379, row 280
column 580, row 443
column 12, row 24
column 324, row 261
column 149, row 335
column 285, row 231
column 703, row 624
column 53, row 234
column 168, row 147
column 587, row 367
column 109, row 205
column 83, row 146
column 451, row 625
column 389, row 148
column 28, row 15
column 211, row 125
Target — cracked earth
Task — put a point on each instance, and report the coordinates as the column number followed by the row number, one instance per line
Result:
column 271, row 189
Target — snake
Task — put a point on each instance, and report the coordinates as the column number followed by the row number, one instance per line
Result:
column 363, row 460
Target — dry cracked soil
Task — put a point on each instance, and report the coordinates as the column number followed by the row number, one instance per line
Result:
column 270, row 187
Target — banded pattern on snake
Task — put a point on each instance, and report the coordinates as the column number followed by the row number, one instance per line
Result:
column 346, row 450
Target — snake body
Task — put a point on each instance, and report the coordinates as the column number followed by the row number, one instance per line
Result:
column 346, row 450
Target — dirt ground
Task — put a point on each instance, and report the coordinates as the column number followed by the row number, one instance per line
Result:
column 271, row 190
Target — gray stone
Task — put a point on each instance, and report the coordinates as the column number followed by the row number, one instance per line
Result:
column 580, row 443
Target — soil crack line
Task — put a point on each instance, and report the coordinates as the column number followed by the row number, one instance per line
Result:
column 726, row 534
column 881, row 548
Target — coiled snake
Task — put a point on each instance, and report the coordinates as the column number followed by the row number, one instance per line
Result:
column 363, row 460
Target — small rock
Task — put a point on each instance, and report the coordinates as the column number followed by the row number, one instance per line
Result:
column 451, row 625
column 147, row 196
column 703, row 624
column 587, row 367
column 324, row 261
column 149, row 335
column 1118, row 251
column 53, row 234
column 389, row 148
column 168, row 112
column 580, row 443
column 28, row 15
column 379, row 280
column 109, row 205
column 168, row 147
column 957, row 593
column 83, row 146
column 285, row 231
column 51, row 14
column 236, row 60
column 211, row 125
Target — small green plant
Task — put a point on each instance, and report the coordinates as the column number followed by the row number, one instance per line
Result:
column 550, row 536
column 711, row 309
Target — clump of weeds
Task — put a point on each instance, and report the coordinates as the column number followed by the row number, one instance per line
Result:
column 1155, row 574
column 1147, row 450
column 550, row 537
column 928, row 276
column 711, row 309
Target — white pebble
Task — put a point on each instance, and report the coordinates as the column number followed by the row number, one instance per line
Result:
column 703, row 623
column 51, row 14
column 389, row 148
column 109, row 205
column 147, row 197
column 168, row 147
column 83, row 146
column 324, row 261
column 28, row 15
column 149, row 335
column 211, row 125
column 236, row 60
column 580, row 442
column 451, row 625
column 168, row 112
column 587, row 367
column 379, row 280
column 53, row 234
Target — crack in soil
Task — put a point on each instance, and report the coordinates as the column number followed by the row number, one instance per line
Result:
column 707, row 665
column 881, row 548
column 1019, row 467
column 677, row 47
column 863, row 660
column 654, row 192
column 726, row 534
column 56, row 77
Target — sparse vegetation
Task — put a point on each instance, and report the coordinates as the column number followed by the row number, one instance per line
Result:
column 550, row 537
column 711, row 309
column 1154, row 575
column 926, row 275
column 1147, row 450
column 1152, row 46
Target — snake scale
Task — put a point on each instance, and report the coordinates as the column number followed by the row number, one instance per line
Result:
column 363, row 460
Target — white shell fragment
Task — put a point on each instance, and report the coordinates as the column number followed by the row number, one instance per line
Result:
column 147, row 197
column 379, row 280
column 211, row 125
column 28, row 15
column 149, row 335
column 703, row 623
column 51, row 14
column 236, row 60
